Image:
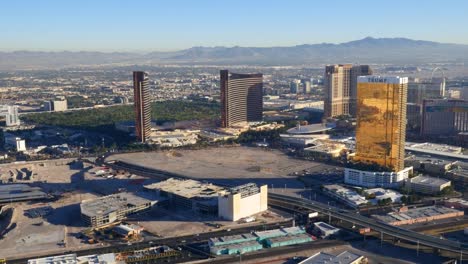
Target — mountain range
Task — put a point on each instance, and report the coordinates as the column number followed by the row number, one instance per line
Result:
column 367, row 50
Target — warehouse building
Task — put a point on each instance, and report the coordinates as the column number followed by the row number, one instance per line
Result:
column 457, row 203
column 227, row 240
column 239, row 244
column 242, row 201
column 427, row 185
column 287, row 240
column 325, row 230
column 235, row 244
column 262, row 236
column 112, row 208
column 407, row 216
column 188, row 194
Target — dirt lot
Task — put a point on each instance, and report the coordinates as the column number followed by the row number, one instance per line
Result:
column 227, row 165
column 54, row 232
column 45, row 234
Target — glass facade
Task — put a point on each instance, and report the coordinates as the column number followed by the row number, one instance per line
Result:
column 381, row 122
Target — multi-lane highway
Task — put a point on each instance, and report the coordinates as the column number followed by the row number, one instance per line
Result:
column 353, row 217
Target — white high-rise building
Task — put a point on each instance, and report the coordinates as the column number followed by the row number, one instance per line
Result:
column 60, row 104
column 242, row 201
column 10, row 112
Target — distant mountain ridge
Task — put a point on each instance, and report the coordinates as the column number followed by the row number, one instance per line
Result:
column 367, row 50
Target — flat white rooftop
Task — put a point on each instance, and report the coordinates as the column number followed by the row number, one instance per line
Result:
column 431, row 181
column 345, row 257
column 187, row 188
column 107, row 204
column 382, row 79
column 310, row 129
column 436, row 149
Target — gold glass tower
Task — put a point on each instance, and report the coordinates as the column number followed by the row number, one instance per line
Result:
column 381, row 121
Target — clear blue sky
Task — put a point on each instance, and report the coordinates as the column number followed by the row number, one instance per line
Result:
column 151, row 25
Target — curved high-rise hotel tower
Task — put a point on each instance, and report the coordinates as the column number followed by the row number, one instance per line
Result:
column 241, row 98
column 142, row 105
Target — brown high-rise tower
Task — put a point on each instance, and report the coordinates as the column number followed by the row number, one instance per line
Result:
column 341, row 88
column 241, row 98
column 142, row 105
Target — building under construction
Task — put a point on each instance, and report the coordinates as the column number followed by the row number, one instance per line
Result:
column 112, row 208
column 188, row 194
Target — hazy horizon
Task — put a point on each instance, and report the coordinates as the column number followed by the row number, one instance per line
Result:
column 173, row 50
column 145, row 26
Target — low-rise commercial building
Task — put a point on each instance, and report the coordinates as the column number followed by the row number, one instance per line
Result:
column 325, row 230
column 188, row 194
column 215, row 135
column 427, row 185
column 407, row 216
column 371, row 179
column 326, row 150
column 458, row 175
column 437, row 150
column 457, row 203
column 112, row 208
column 242, row 201
column 344, row 195
column 429, row 165
column 382, row 194
column 176, row 138
column 302, row 140
column 345, row 257
column 127, row 231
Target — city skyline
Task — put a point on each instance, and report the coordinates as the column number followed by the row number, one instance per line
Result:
column 107, row 26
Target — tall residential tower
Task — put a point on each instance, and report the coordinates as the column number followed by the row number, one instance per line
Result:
column 142, row 105
column 381, row 121
column 241, row 98
column 341, row 88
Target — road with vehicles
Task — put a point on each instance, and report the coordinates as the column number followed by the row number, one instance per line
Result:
column 301, row 204
column 172, row 242
column 342, row 214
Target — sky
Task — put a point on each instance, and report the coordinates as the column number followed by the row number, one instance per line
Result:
column 153, row 25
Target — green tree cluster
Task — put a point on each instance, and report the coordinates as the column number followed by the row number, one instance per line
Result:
column 162, row 111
